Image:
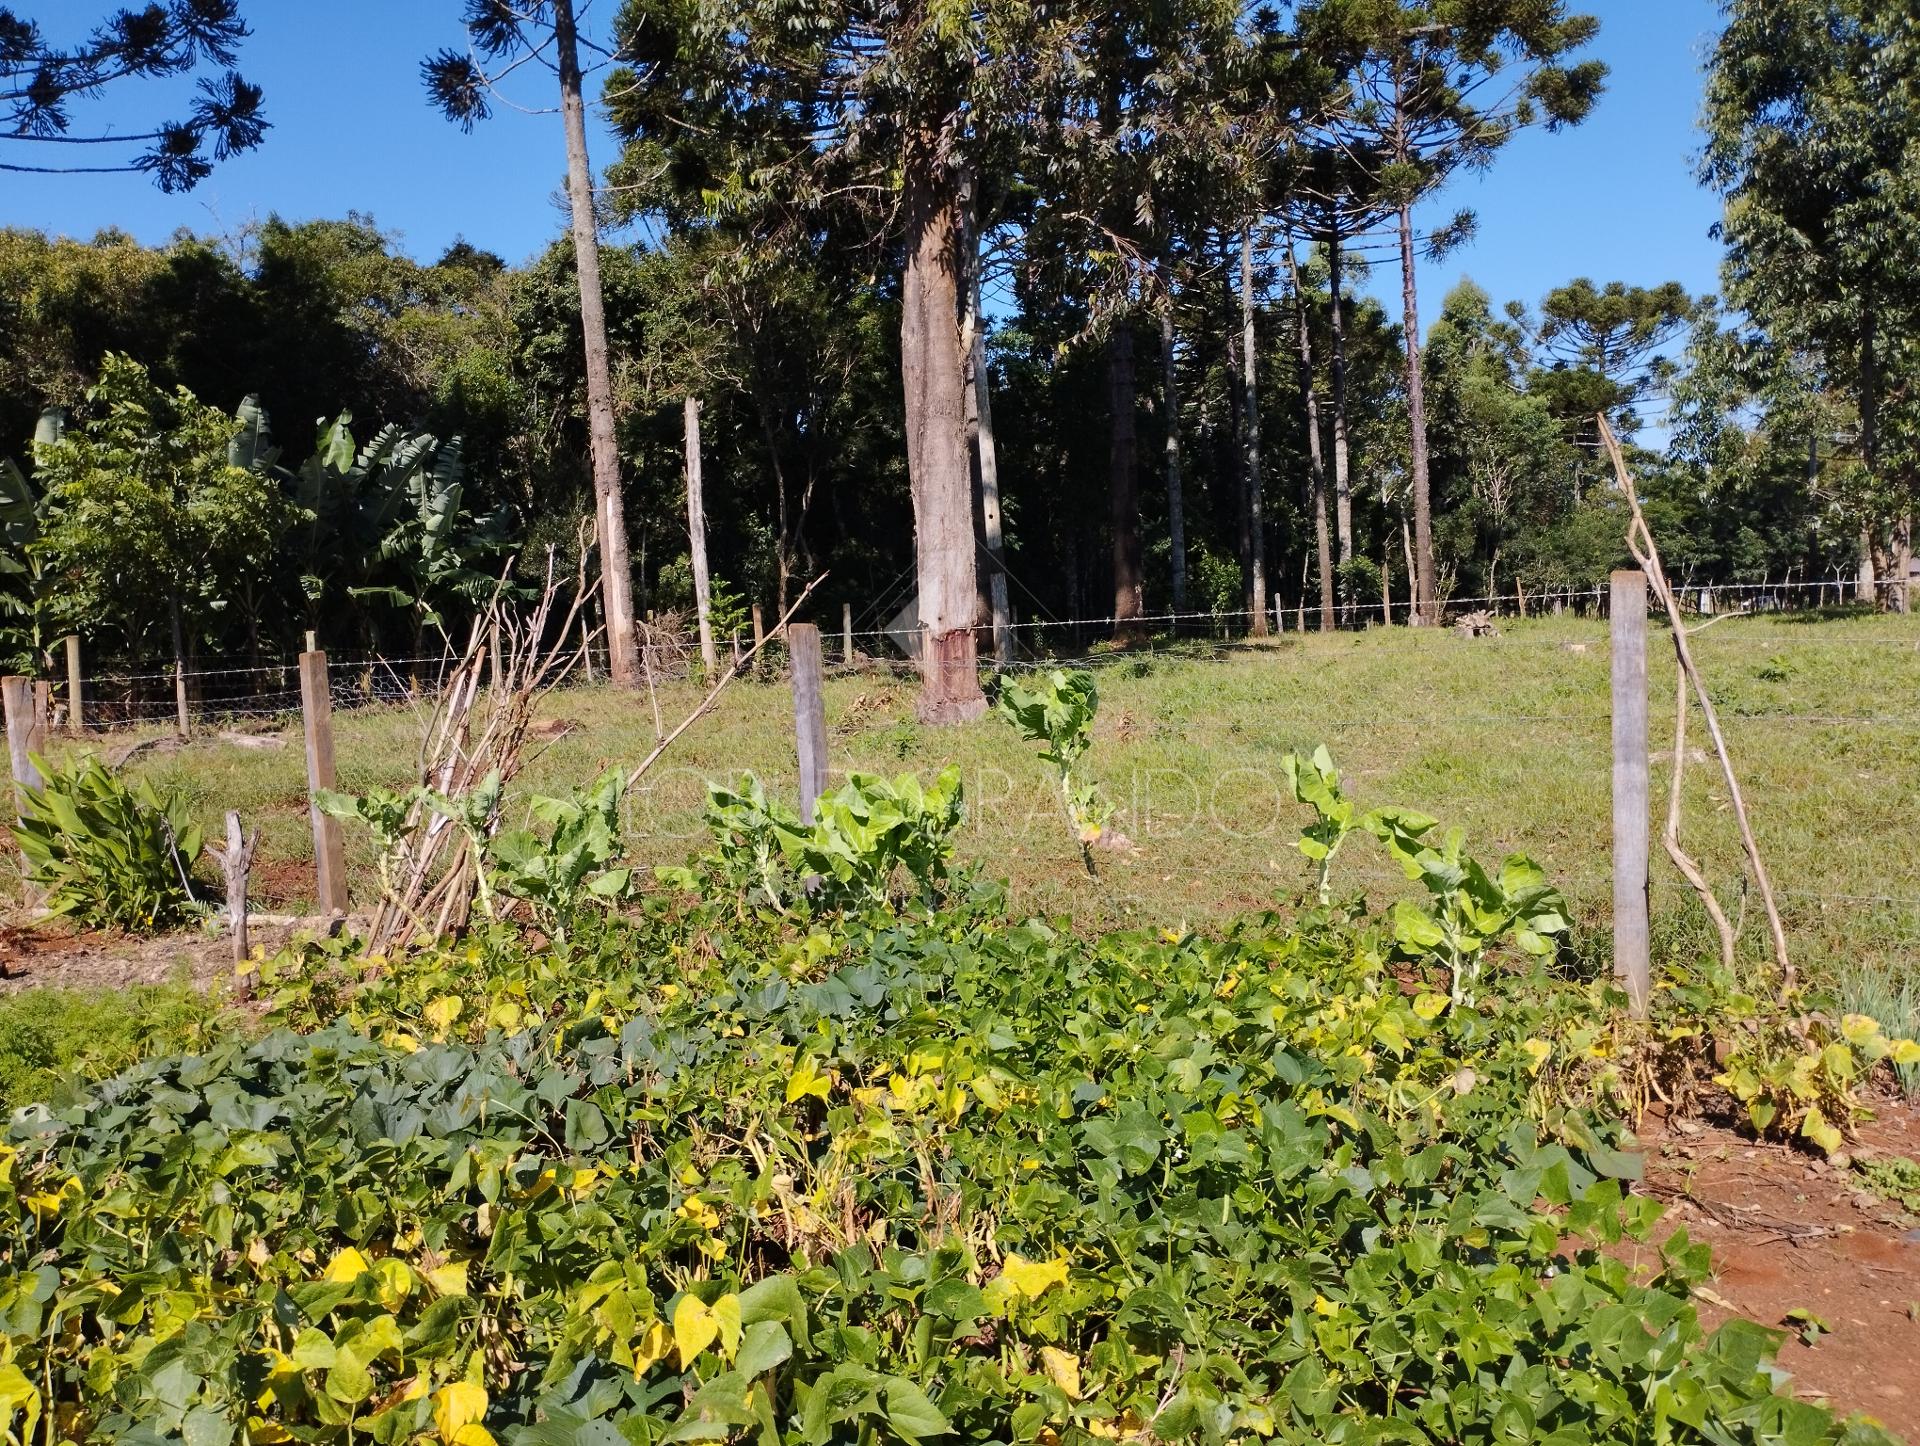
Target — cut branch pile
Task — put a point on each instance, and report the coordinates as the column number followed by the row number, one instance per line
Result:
column 476, row 740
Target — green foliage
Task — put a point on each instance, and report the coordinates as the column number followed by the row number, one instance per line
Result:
column 570, row 867
column 395, row 818
column 55, row 1042
column 110, row 854
column 726, row 610
column 1467, row 908
column 967, row 1179
column 1056, row 709
column 1798, row 1074
column 863, row 835
column 145, row 515
column 1893, row 1177
column 1315, row 782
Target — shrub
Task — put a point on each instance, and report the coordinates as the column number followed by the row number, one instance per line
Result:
column 864, row 836
column 108, row 854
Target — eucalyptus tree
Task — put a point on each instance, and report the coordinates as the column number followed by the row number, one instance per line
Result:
column 1435, row 86
column 865, row 117
column 40, row 80
column 502, row 36
column 1813, row 129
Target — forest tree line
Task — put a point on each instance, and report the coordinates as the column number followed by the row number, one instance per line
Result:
column 1147, row 240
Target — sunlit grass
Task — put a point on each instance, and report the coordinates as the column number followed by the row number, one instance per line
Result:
column 1507, row 737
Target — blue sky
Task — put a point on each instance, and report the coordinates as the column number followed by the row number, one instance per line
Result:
column 1613, row 199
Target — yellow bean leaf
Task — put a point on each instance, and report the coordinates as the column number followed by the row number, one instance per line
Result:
column 1031, row 1277
column 695, row 1327
column 1062, row 1369
column 456, row 1405
column 348, row 1266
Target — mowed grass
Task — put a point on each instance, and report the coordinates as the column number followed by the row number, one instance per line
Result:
column 1506, row 737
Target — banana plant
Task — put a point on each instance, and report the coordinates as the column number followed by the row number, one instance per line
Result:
column 23, row 594
column 387, row 521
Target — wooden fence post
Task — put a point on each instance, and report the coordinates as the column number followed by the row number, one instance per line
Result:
column 76, row 707
column 759, row 641
column 183, row 719
column 329, row 857
column 809, row 714
column 42, row 717
column 17, row 695
column 1628, row 625
column 846, row 633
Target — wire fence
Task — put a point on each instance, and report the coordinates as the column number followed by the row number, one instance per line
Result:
column 240, row 694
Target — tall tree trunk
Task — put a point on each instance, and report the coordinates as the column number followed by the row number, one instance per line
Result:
column 1123, row 483
column 1170, row 406
column 1336, row 311
column 1869, row 446
column 1316, row 467
column 1426, row 596
column 1256, row 510
column 784, row 547
column 610, row 508
column 933, row 378
column 697, row 539
column 986, row 452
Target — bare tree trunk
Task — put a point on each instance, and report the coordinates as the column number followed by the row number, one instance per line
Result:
column 610, row 508
column 933, row 378
column 1123, row 483
column 1256, row 519
column 1869, row 446
column 1170, row 405
column 1426, row 585
column 986, row 453
column 1342, row 482
column 697, row 540
column 1316, row 467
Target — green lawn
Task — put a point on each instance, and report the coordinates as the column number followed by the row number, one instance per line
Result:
column 1507, row 737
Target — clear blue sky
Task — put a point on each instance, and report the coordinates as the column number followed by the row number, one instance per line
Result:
column 1613, row 199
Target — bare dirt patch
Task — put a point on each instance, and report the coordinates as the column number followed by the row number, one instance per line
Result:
column 51, row 956
column 1792, row 1232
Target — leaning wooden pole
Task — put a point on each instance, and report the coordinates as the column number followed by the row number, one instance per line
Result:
column 1640, row 542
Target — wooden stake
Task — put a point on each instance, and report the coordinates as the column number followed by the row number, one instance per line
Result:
column 759, row 637
column 235, row 860
column 76, row 708
column 809, row 714
column 17, row 695
column 1631, row 944
column 313, row 641
column 586, row 646
column 846, row 633
column 182, row 718
column 329, row 856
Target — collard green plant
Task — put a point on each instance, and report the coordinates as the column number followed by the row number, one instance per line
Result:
column 1466, row 909
column 865, row 835
column 110, row 854
column 571, row 867
column 1056, row 709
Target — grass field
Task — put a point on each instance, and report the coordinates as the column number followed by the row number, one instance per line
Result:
column 1507, row 737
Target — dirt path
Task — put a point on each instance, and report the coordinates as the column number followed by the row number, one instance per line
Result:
column 48, row 956
column 1791, row 1232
